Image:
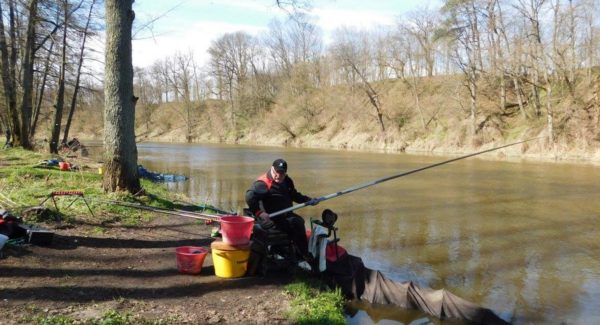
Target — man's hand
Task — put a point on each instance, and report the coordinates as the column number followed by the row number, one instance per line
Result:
column 314, row 201
column 265, row 220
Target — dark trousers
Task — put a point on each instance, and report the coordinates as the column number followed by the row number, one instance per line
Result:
column 293, row 225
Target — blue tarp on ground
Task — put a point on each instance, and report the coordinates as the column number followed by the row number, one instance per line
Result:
column 159, row 177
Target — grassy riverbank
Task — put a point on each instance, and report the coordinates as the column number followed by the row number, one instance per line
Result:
column 116, row 266
column 27, row 179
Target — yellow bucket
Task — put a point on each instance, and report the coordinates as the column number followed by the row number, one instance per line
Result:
column 100, row 171
column 229, row 261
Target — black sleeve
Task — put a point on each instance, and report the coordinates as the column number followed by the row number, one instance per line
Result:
column 295, row 195
column 254, row 194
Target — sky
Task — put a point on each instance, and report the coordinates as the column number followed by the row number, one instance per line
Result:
column 165, row 27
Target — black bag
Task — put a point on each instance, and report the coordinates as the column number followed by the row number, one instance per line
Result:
column 9, row 225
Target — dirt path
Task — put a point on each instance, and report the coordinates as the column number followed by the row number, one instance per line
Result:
column 90, row 269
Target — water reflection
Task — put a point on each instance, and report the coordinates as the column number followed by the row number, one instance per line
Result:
column 518, row 237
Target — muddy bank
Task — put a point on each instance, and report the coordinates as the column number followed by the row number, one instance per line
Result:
column 90, row 269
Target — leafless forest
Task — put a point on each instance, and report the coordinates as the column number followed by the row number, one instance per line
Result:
column 471, row 73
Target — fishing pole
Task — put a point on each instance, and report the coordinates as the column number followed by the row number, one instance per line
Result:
column 181, row 213
column 385, row 179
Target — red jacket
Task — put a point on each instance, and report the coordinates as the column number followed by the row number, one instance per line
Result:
column 267, row 195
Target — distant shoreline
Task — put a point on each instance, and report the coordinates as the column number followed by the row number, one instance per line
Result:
column 508, row 154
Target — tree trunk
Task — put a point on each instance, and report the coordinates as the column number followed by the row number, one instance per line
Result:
column 27, row 67
column 60, row 94
column 473, row 105
column 414, row 80
column 502, row 91
column 496, row 57
column 596, row 116
column 8, row 74
column 519, row 93
column 372, row 94
column 550, row 115
column 120, row 151
column 418, row 102
column 536, row 94
column 78, row 77
column 591, row 47
column 232, row 104
column 476, row 38
column 573, row 64
column 40, row 97
column 189, row 124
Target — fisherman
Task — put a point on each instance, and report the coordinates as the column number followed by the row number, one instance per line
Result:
column 274, row 191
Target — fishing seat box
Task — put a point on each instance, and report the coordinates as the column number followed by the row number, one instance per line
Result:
column 270, row 250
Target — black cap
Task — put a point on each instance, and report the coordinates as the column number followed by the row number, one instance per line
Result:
column 280, row 165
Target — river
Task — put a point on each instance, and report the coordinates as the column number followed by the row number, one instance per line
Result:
column 521, row 238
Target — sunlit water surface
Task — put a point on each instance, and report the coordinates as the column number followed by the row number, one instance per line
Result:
column 521, row 238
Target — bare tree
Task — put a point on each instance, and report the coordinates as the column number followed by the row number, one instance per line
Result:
column 397, row 55
column 298, row 40
column 540, row 80
column 278, row 47
column 76, row 87
column 232, row 56
column 160, row 76
column 41, row 90
column 591, row 10
column 463, row 28
column 293, row 6
column 60, row 95
column 182, row 77
column 27, row 70
column 120, row 151
column 422, row 25
column 510, row 64
column 413, row 76
column 9, row 80
column 496, row 54
column 356, row 58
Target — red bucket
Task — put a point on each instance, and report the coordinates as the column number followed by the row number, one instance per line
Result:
column 236, row 230
column 190, row 259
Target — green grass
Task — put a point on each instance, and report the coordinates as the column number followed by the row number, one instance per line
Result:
column 314, row 304
column 110, row 317
column 25, row 183
column 53, row 320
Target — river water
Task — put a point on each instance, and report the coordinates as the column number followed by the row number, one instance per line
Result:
column 521, row 238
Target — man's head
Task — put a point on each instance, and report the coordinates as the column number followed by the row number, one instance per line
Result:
column 279, row 170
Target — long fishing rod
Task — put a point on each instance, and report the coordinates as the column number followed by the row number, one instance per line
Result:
column 181, row 213
column 385, row 179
